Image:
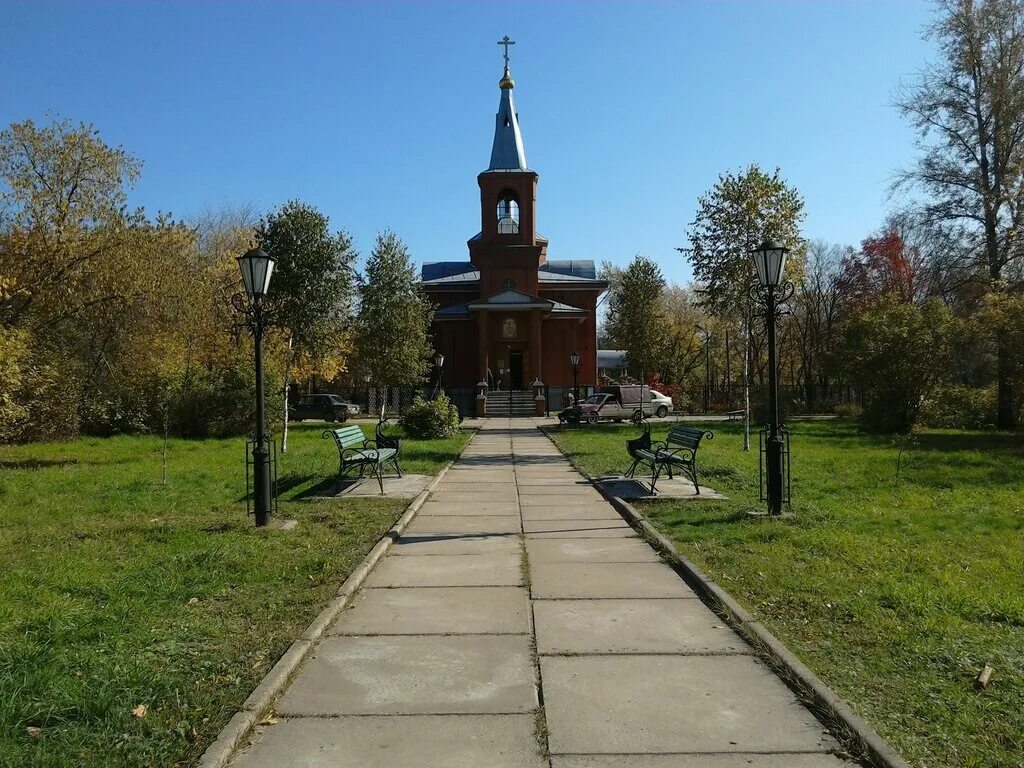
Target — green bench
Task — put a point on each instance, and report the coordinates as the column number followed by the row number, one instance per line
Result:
column 678, row 451
column 356, row 452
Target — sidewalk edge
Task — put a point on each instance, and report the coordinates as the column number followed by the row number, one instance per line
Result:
column 259, row 702
column 838, row 715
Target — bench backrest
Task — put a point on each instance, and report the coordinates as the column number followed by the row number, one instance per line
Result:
column 346, row 437
column 687, row 437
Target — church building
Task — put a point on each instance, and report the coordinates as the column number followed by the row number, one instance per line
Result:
column 508, row 316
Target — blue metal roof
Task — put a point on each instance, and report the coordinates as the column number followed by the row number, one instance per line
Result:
column 580, row 268
column 436, row 270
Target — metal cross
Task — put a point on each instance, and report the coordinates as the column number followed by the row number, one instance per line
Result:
column 506, row 42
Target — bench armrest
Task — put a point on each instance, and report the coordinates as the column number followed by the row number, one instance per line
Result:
column 672, row 454
column 348, row 453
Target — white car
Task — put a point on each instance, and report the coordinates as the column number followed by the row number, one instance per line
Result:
column 661, row 404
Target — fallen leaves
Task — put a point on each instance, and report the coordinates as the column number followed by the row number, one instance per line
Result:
column 140, row 711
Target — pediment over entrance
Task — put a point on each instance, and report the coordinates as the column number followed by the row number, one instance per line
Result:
column 511, row 300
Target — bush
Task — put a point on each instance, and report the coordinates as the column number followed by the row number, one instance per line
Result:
column 849, row 411
column 38, row 392
column 220, row 403
column 896, row 351
column 954, row 407
column 429, row 419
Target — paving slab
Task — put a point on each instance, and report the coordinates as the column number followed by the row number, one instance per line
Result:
column 490, row 570
column 631, row 626
column 414, row 675
column 463, row 524
column 472, row 508
column 552, row 581
column 458, row 610
column 478, row 495
column 455, row 544
column 417, row 741
column 405, row 487
column 479, row 474
column 734, row 760
column 621, row 550
column 528, row 482
column 569, row 497
column 651, row 704
column 465, row 483
column 596, row 511
column 577, row 529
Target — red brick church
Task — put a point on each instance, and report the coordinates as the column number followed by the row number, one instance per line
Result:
column 508, row 316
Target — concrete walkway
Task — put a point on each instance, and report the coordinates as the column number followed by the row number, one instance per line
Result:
column 595, row 655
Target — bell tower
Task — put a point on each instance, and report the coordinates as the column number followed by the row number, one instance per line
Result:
column 508, row 249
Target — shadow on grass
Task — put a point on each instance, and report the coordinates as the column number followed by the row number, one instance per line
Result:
column 1001, row 442
column 325, row 489
column 691, row 514
column 37, row 463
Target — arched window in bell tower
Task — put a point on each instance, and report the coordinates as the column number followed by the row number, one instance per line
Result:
column 508, row 214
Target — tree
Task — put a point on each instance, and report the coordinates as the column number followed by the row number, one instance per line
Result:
column 393, row 322
column 682, row 345
column 634, row 321
column 312, row 290
column 816, row 312
column 733, row 217
column 968, row 109
column 739, row 212
column 62, row 212
column 886, row 264
column 897, row 351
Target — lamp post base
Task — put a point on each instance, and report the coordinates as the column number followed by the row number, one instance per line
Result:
column 281, row 525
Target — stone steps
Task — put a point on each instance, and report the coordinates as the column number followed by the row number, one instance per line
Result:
column 510, row 403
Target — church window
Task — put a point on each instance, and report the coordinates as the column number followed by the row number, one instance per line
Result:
column 508, row 328
column 508, row 214
column 509, row 284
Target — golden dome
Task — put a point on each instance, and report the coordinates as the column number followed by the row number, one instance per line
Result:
column 506, row 81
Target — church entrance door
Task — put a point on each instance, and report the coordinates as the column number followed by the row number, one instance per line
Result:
column 515, row 369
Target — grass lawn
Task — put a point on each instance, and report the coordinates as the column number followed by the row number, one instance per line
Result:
column 119, row 591
column 894, row 593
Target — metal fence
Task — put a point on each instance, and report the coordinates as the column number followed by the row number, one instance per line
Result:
column 398, row 399
column 793, row 398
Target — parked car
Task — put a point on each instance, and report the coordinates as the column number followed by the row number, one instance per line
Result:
column 661, row 404
column 326, row 407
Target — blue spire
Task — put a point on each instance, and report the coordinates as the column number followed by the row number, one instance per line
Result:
column 507, row 152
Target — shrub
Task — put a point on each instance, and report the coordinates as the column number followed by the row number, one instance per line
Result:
column 429, row 419
column 954, row 407
column 849, row 411
column 895, row 352
column 38, row 392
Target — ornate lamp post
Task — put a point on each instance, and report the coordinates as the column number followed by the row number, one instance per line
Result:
column 257, row 267
column 574, row 361
column 439, row 366
column 770, row 263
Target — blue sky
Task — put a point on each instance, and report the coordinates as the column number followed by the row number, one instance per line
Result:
column 382, row 113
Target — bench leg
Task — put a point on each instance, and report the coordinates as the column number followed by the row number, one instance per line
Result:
column 693, row 476
column 397, row 466
column 655, row 471
column 380, row 477
column 632, row 468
